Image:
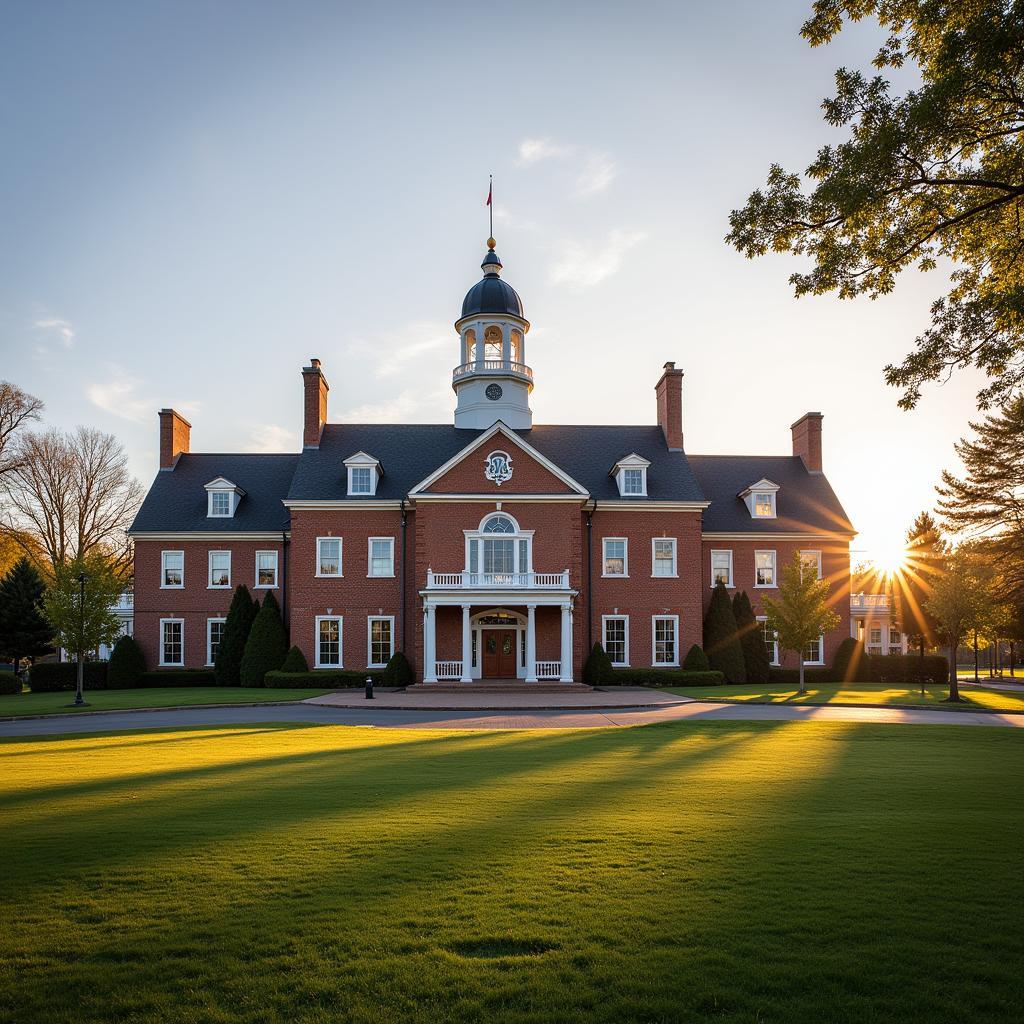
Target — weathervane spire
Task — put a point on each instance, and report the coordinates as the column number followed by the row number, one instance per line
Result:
column 490, row 204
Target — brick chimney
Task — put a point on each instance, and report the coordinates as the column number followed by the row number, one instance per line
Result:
column 670, row 406
column 314, row 403
column 174, row 437
column 807, row 440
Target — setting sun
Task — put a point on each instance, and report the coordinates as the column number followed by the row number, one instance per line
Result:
column 890, row 559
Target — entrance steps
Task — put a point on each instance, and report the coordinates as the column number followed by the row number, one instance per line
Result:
column 499, row 686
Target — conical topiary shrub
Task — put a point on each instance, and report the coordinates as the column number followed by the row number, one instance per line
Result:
column 228, row 663
column 295, row 661
column 398, row 671
column 696, row 660
column 126, row 665
column 755, row 652
column 598, row 668
column 267, row 646
column 721, row 639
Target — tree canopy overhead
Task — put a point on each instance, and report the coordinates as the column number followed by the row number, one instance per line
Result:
column 934, row 174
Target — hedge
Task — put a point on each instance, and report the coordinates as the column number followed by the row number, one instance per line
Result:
column 178, row 677
column 908, row 668
column 10, row 683
column 52, row 676
column 323, row 679
column 791, row 676
column 597, row 669
column 665, row 677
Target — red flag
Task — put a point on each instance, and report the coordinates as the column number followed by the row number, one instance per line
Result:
column 489, row 191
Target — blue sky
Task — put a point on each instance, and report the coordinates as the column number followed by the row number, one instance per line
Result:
column 197, row 197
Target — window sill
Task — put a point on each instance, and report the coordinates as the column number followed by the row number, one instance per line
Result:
column 615, row 575
column 728, row 586
column 329, row 575
column 381, row 576
column 665, row 664
column 172, row 586
column 667, row 576
column 264, row 586
column 218, row 586
column 766, row 586
column 171, row 664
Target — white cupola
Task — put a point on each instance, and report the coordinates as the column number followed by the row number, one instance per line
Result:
column 492, row 381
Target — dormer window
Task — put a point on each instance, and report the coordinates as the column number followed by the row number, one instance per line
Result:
column 631, row 476
column 222, row 498
column 363, row 473
column 760, row 499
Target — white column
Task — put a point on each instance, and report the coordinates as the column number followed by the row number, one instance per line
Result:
column 531, row 643
column 566, row 670
column 429, row 646
column 467, row 646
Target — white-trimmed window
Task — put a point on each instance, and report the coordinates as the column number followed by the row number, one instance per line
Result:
column 172, row 642
column 764, row 504
column 895, row 641
column 220, row 504
column 214, row 635
column 220, row 570
column 760, row 499
column 631, row 476
column 875, row 640
column 616, row 556
column 499, row 547
column 615, row 636
column 328, row 641
column 665, row 640
column 814, row 653
column 266, row 570
column 663, row 556
column 380, row 556
column 222, row 498
column 764, row 569
column 721, row 567
column 771, row 640
column 811, row 560
column 172, row 570
column 363, row 473
column 328, row 556
column 380, row 640
column 633, row 481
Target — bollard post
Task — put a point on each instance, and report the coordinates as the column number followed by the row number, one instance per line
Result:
column 369, row 687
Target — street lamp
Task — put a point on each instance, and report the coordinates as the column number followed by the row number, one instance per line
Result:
column 79, row 700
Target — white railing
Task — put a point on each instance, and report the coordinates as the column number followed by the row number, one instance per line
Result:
column 492, row 366
column 862, row 601
column 521, row 580
column 549, row 669
column 126, row 601
column 448, row 669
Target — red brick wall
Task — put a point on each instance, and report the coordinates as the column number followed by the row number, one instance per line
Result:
column 528, row 475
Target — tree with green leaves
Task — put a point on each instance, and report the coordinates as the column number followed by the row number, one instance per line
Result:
column 721, row 637
column 78, row 606
column 24, row 629
column 925, row 558
column 227, row 666
column 802, row 612
column 930, row 178
column 267, row 645
column 751, row 634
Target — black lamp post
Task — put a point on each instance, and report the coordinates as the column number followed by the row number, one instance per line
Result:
column 79, row 700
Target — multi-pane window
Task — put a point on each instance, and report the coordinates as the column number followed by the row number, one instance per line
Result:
column 665, row 645
column 328, row 641
column 360, row 480
column 632, row 481
column 764, row 505
column 614, row 556
column 382, row 646
column 220, row 503
column 813, row 651
column 616, row 639
column 266, row 568
column 721, row 568
column 214, row 635
column 875, row 639
column 328, row 556
column 664, row 556
column 172, row 569
column 811, row 562
column 382, row 556
column 895, row 646
column 764, row 568
column 498, row 550
column 172, row 643
column 771, row 642
column 220, row 569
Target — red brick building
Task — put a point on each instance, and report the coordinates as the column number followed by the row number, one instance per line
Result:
column 486, row 548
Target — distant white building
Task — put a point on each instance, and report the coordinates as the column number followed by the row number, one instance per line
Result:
column 125, row 612
column 870, row 623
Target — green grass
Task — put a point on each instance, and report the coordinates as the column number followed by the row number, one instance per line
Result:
column 152, row 697
column 858, row 693
column 771, row 872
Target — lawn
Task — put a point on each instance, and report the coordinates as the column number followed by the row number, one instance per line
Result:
column 150, row 697
column 859, row 693
column 770, row 872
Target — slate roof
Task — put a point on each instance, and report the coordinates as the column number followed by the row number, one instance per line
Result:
column 176, row 501
column 805, row 502
column 410, row 452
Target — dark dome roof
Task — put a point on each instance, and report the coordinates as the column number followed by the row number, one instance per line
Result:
column 492, row 295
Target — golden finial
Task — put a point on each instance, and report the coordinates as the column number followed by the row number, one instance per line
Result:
column 491, row 243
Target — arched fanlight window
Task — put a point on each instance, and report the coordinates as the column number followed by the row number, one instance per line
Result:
column 499, row 524
column 499, row 548
column 470, row 346
column 517, row 346
column 492, row 343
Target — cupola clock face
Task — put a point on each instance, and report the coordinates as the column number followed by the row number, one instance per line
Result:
column 493, row 392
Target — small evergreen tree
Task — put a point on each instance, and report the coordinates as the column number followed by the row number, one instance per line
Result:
column 398, row 671
column 598, row 668
column 267, row 646
column 721, row 637
column 24, row 630
column 295, row 661
column 126, row 664
column 755, row 653
column 696, row 660
column 228, row 663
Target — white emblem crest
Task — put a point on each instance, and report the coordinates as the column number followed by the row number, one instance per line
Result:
column 498, row 467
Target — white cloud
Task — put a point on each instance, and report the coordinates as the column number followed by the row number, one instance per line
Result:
column 54, row 326
column 597, row 175
column 118, row 396
column 532, row 151
column 583, row 266
column 269, row 437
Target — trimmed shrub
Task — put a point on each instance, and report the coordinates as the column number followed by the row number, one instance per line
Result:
column 791, row 676
column 598, row 667
column 721, row 638
column 53, row 676
column 665, row 677
column 178, row 677
column 267, row 646
column 228, row 666
column 910, row 669
column 325, row 679
column 295, row 661
column 10, row 683
column 850, row 664
column 755, row 654
column 696, row 660
column 398, row 671
column 126, row 665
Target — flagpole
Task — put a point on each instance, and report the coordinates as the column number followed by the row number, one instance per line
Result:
column 490, row 205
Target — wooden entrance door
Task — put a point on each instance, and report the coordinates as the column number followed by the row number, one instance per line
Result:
column 499, row 660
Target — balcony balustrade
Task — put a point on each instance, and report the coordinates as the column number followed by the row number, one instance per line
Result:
column 862, row 602
column 509, row 580
column 492, row 366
